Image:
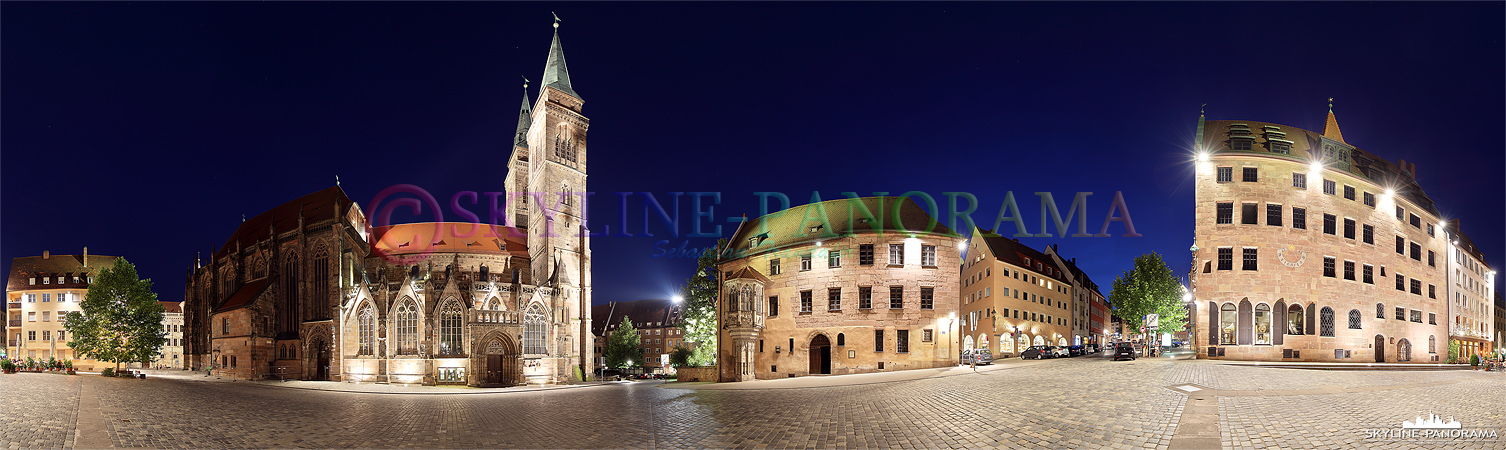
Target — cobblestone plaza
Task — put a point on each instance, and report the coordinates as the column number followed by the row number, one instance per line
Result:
column 1085, row 402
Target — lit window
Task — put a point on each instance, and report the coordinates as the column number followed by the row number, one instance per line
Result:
column 1225, row 174
column 1329, row 187
column 896, row 254
column 1299, row 180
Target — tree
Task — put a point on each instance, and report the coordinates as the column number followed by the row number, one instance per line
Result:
column 622, row 346
column 120, row 319
column 698, row 320
column 1149, row 288
column 680, row 356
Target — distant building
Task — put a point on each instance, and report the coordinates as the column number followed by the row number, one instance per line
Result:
column 1086, row 301
column 1471, row 294
column 1307, row 248
column 1013, row 297
column 658, row 325
column 41, row 291
column 172, row 349
column 838, row 287
column 1500, row 322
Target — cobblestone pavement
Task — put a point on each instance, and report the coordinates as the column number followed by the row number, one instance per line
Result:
column 1085, row 402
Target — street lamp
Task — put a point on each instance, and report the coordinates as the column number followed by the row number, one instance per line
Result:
column 677, row 299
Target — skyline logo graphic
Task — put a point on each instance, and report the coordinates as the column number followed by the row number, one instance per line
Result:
column 1432, row 422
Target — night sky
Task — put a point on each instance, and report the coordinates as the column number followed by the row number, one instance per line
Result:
column 147, row 130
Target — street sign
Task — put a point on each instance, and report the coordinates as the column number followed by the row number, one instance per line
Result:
column 1152, row 321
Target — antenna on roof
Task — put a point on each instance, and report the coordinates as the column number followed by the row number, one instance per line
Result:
column 1200, row 109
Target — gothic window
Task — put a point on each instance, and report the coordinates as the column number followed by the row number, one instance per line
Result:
column 1227, row 322
column 406, row 323
column 564, row 146
column 289, row 320
column 535, row 326
column 1325, row 322
column 1432, row 344
column 321, row 284
column 450, row 320
column 1354, row 319
column 1294, row 320
column 366, row 330
column 746, row 299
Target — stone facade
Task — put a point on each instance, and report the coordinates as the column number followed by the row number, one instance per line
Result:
column 812, row 290
column 310, row 290
column 1309, row 249
column 171, row 356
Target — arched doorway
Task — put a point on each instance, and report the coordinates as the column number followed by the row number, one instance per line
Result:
column 967, row 343
column 820, row 355
column 1380, row 348
column 983, row 343
column 1039, row 340
column 1403, row 351
column 501, row 362
column 319, row 357
column 1024, row 343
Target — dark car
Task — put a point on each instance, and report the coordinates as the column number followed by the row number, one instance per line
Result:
column 1076, row 350
column 610, row 375
column 1038, row 352
column 1124, row 350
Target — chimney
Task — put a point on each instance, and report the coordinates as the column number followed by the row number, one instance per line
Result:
column 86, row 256
column 1455, row 225
column 46, row 254
column 1412, row 167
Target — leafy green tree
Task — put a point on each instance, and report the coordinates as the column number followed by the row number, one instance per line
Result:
column 120, row 320
column 698, row 320
column 680, row 356
column 1149, row 288
column 622, row 346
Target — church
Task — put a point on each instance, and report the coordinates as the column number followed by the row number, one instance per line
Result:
column 311, row 290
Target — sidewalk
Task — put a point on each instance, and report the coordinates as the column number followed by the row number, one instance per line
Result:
column 817, row 381
column 369, row 388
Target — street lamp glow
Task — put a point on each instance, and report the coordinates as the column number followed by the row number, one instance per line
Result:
column 1390, row 192
column 1202, row 156
column 677, row 298
column 1316, row 166
column 962, row 245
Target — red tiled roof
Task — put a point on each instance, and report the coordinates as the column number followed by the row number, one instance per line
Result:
column 321, row 205
column 639, row 311
column 448, row 237
column 172, row 307
column 245, row 295
column 24, row 268
column 1013, row 252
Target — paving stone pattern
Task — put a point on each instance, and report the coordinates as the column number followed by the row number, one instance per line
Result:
column 1085, row 402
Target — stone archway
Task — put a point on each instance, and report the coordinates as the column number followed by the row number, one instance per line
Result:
column 1403, row 351
column 499, row 361
column 820, row 355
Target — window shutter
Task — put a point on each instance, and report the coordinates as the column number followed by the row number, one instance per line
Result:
column 1278, row 322
column 1246, row 323
column 1212, row 323
column 1312, row 312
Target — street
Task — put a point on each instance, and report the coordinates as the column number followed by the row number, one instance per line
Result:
column 1082, row 402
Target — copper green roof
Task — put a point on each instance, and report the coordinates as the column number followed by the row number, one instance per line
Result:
column 830, row 219
column 556, row 73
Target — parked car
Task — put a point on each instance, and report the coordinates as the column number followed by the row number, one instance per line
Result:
column 1038, row 352
column 980, row 357
column 610, row 375
column 1076, row 350
column 1061, row 352
column 1124, row 350
column 1090, row 348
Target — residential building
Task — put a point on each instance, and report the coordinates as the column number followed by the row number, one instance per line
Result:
column 1500, row 323
column 837, row 287
column 658, row 325
column 1471, row 293
column 41, row 292
column 1308, row 248
column 171, row 356
column 1013, row 296
column 1086, row 299
column 311, row 290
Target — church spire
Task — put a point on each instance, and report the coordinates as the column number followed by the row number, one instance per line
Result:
column 525, row 119
column 556, row 74
column 1331, row 129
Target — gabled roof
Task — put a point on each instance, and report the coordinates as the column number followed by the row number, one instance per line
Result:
column 22, row 269
column 172, row 307
column 1011, row 251
column 608, row 316
column 245, row 295
column 318, row 206
column 1331, row 128
column 749, row 273
column 842, row 217
column 556, row 73
column 448, row 237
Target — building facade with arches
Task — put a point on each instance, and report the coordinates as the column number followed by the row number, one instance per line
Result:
column 1308, row 248
column 837, row 287
column 310, row 290
column 1013, row 297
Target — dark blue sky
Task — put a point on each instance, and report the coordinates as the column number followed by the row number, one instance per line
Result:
column 147, row 129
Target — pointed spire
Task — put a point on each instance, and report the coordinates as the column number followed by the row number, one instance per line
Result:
column 525, row 119
column 556, row 74
column 1331, row 129
column 1198, row 140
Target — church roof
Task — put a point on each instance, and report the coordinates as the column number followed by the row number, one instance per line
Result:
column 448, row 237
column 525, row 120
column 22, row 269
column 245, row 295
column 556, row 73
column 321, row 205
column 803, row 224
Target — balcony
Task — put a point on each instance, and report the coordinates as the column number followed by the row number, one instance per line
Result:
column 498, row 317
column 15, row 322
column 14, row 343
column 12, row 306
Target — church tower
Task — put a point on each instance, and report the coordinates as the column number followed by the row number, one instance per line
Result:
column 558, row 246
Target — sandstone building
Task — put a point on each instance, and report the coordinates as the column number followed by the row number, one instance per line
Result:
column 1308, row 248
column 40, row 292
column 311, row 290
column 658, row 325
column 171, row 355
column 1013, row 297
column 1471, row 290
column 837, row 287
